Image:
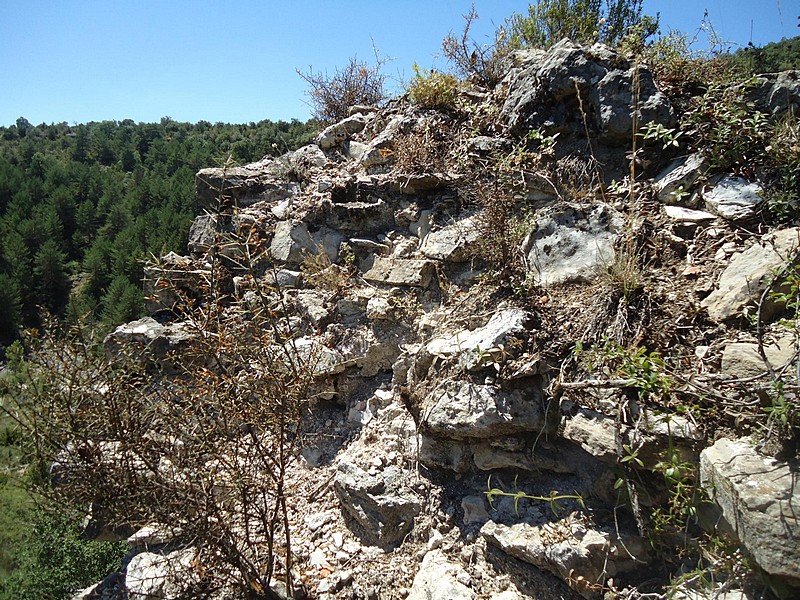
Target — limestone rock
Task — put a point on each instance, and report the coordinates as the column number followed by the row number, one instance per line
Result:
column 173, row 281
column 463, row 410
column 379, row 503
column 743, row 360
column 476, row 348
column 340, row 132
column 679, row 176
column 438, row 579
column 151, row 576
column 361, row 217
column 452, row 243
column 149, row 342
column 749, row 273
column 314, row 354
column 734, row 198
column 202, row 234
column 775, row 93
column 255, row 182
column 399, row 271
column 544, row 94
column 291, row 239
column 310, row 304
column 757, row 496
column 582, row 556
column 572, row 245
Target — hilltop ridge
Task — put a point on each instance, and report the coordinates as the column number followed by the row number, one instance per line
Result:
column 536, row 343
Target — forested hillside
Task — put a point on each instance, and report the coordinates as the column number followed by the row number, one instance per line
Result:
column 81, row 206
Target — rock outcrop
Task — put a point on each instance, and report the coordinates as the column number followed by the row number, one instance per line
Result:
column 432, row 372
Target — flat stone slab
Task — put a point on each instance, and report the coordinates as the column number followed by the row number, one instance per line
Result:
column 759, row 500
column 688, row 215
column 741, row 359
column 749, row 273
column 401, row 271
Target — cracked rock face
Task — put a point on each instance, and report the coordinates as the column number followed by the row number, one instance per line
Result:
column 758, row 497
column 380, row 503
column 571, row 87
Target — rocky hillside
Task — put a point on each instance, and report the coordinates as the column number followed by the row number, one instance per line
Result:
column 549, row 334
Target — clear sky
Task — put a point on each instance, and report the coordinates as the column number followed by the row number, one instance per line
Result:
column 235, row 61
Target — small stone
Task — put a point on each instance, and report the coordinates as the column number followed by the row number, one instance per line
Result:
column 692, row 271
column 474, row 508
column 338, row 539
column 318, row 559
column 734, row 198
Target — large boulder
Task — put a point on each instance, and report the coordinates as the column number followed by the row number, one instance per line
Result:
column 173, row 282
column 758, row 498
column 573, row 87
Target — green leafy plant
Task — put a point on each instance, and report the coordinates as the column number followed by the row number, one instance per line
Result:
column 553, row 499
column 666, row 136
column 584, row 21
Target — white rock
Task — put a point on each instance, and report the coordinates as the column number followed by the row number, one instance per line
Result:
column 734, row 198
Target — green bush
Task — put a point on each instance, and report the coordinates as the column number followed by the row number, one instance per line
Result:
column 54, row 561
column 583, row 21
column 432, row 89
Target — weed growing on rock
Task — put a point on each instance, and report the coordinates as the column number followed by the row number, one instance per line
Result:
column 471, row 59
column 433, row 89
column 358, row 82
column 553, row 499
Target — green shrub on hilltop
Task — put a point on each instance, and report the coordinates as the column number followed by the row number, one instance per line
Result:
column 583, row 21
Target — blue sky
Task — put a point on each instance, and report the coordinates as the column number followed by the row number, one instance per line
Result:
column 235, row 61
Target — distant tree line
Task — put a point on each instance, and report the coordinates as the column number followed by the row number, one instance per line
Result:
column 771, row 58
column 82, row 206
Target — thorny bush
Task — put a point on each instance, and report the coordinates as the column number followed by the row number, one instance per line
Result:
column 196, row 437
column 359, row 82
